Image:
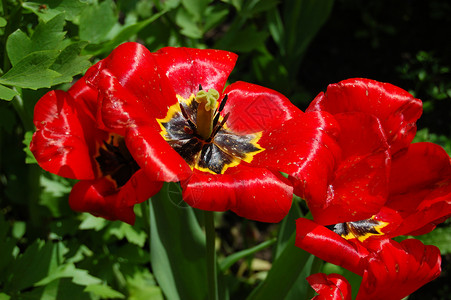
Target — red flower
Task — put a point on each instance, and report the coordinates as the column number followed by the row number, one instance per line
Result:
column 380, row 175
column 68, row 143
column 390, row 270
column 330, row 287
column 225, row 147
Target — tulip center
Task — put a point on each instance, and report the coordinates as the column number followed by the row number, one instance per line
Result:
column 115, row 160
column 197, row 131
column 360, row 230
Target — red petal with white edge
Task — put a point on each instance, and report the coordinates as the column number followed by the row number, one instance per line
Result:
column 187, row 68
column 255, row 108
column 330, row 287
column 155, row 155
column 394, row 107
column 359, row 188
column 60, row 143
column 329, row 246
column 102, row 198
column 304, row 147
column 398, row 269
column 252, row 193
column 134, row 68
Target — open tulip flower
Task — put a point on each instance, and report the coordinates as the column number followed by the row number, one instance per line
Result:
column 390, row 270
column 381, row 179
column 69, row 143
column 226, row 147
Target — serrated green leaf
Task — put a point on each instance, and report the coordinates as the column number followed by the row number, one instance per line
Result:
column 69, row 63
column 189, row 27
column 29, row 158
column 129, row 232
column 104, row 291
column 91, row 222
column 244, row 40
column 96, row 22
column 196, row 7
column 47, row 36
column 33, row 71
column 79, row 276
column 70, row 8
column 38, row 260
column 142, row 286
column 6, row 93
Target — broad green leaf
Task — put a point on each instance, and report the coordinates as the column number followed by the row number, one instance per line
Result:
column 47, row 36
column 177, row 247
column 96, row 22
column 283, row 274
column 288, row 226
column 32, row 71
column 69, row 63
column 70, row 8
column 233, row 258
column 29, row 159
column 6, row 93
column 104, row 291
column 3, row 22
column 196, row 8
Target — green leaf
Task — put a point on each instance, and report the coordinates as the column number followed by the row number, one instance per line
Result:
column 3, row 22
column 91, row 222
column 70, row 8
column 3, row 296
column 38, row 260
column 6, row 93
column 129, row 232
column 244, row 40
column 142, row 286
column 125, row 33
column 177, row 246
column 29, row 158
column 283, row 274
column 233, row 258
column 96, row 22
column 196, row 7
column 47, row 36
column 189, row 27
column 32, row 71
column 104, row 291
column 69, row 63
column 288, row 226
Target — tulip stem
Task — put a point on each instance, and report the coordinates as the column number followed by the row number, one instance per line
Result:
column 211, row 255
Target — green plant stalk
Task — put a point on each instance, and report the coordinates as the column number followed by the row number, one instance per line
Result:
column 211, row 255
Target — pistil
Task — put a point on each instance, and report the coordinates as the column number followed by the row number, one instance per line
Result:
column 206, row 111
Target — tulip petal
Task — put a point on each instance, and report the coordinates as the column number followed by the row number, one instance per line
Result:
column 330, row 287
column 253, row 193
column 102, row 198
column 187, row 68
column 62, row 144
column 398, row 269
column 254, row 108
column 155, row 155
column 329, row 246
column 359, row 187
column 394, row 107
